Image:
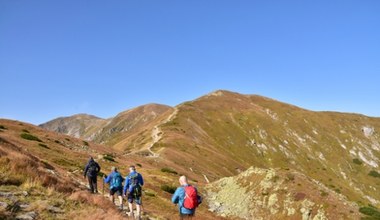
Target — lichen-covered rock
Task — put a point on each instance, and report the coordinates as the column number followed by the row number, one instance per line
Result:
column 276, row 194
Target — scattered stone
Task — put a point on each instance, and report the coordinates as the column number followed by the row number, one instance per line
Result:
column 368, row 131
column 6, row 194
column 13, row 194
column 27, row 216
column 4, row 205
column 54, row 209
column 24, row 206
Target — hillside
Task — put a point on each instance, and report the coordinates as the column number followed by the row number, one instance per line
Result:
column 77, row 125
column 41, row 177
column 113, row 131
column 224, row 133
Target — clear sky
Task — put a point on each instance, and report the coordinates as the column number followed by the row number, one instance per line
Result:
column 59, row 58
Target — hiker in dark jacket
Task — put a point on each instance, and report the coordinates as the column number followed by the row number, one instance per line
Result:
column 91, row 171
column 116, row 185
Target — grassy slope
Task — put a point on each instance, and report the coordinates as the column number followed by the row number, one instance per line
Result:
column 50, row 171
column 224, row 133
column 220, row 134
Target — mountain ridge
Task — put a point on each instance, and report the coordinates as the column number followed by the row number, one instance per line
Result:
column 224, row 133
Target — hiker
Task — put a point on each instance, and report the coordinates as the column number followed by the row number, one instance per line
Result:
column 132, row 189
column 91, row 171
column 116, row 185
column 187, row 198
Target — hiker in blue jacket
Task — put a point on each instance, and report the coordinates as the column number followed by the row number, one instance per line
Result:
column 91, row 172
column 116, row 185
column 179, row 198
column 133, row 190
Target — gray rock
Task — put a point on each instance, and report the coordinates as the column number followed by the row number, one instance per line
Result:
column 4, row 205
column 24, row 206
column 13, row 194
column 6, row 194
column 27, row 216
column 54, row 209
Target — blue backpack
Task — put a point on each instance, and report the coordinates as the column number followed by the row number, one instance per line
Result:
column 117, row 181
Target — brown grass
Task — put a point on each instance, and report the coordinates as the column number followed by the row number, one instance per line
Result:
column 100, row 207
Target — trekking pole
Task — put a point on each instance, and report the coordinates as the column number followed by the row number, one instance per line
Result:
column 103, row 185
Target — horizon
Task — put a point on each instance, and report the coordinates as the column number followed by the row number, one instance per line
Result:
column 85, row 113
column 58, row 59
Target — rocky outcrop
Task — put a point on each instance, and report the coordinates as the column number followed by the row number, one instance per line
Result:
column 276, row 194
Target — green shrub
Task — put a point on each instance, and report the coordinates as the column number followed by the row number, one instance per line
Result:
column 101, row 174
column 43, row 145
column 47, row 165
column 357, row 161
column 290, row 177
column 370, row 211
column 30, row 137
column 374, row 174
column 169, row 189
column 323, row 193
column 275, row 178
column 108, row 157
column 168, row 170
column 3, row 127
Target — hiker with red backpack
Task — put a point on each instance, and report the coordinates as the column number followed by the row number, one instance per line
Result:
column 116, row 185
column 187, row 198
column 133, row 190
column 91, row 172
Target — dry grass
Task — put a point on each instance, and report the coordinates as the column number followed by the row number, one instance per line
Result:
column 100, row 207
column 31, row 183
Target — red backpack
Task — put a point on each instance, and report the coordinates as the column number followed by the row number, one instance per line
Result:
column 191, row 197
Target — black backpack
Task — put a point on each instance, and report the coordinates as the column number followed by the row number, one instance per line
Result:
column 134, row 185
column 92, row 169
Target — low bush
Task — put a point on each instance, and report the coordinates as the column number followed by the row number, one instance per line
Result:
column 85, row 143
column 370, row 211
column 357, row 161
column 30, row 137
column 169, row 189
column 168, row 170
column 323, row 193
column 43, row 145
column 290, row 177
column 2, row 127
column 109, row 157
column 101, row 174
column 374, row 173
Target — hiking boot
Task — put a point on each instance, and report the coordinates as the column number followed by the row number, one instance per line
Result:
column 130, row 214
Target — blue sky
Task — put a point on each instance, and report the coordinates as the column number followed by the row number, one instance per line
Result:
column 59, row 58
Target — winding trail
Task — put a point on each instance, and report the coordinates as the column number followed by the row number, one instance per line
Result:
column 157, row 133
